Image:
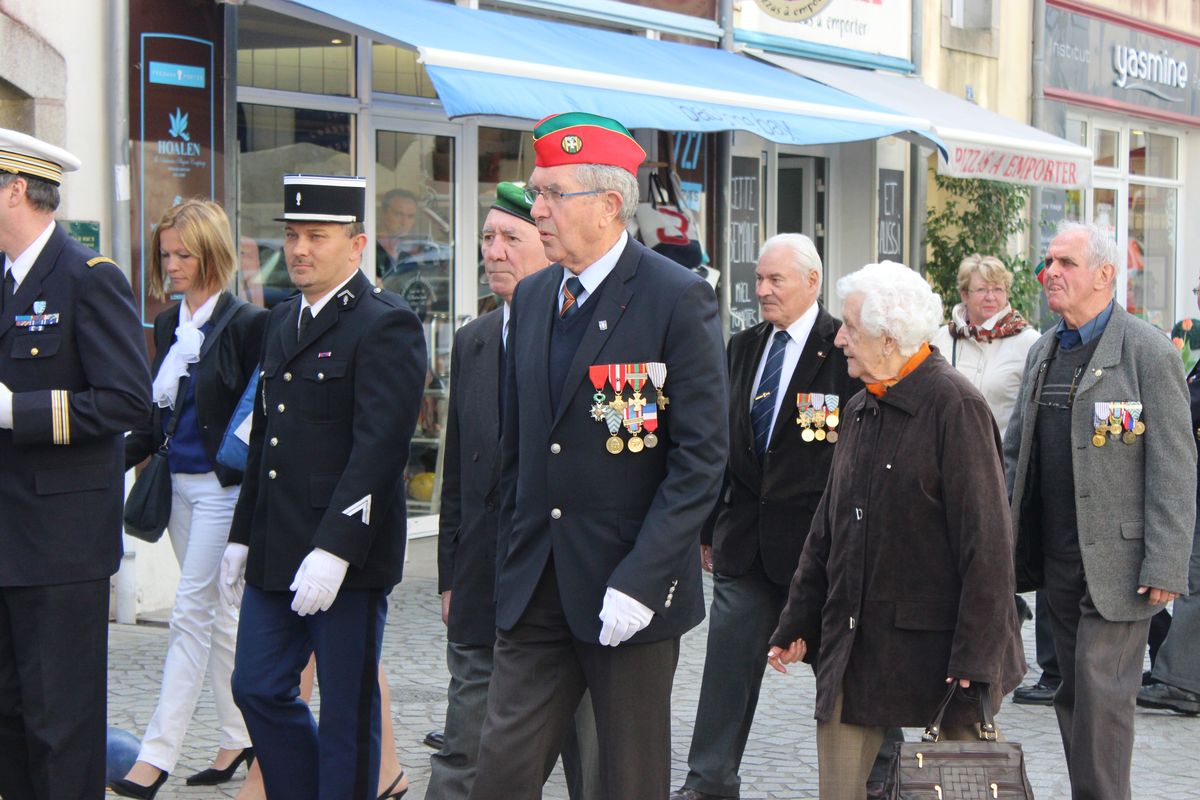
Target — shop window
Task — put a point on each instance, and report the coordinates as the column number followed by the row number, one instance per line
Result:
column 274, row 141
column 284, row 53
column 1105, row 148
column 414, row 253
column 1150, row 290
column 394, row 70
column 1076, row 132
column 1153, row 155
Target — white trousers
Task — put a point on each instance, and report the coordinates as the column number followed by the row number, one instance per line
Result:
column 203, row 628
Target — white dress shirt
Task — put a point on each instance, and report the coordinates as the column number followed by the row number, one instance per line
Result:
column 799, row 331
column 594, row 275
column 325, row 298
column 21, row 265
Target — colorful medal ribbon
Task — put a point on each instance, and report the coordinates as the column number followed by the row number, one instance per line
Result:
column 650, row 423
column 612, row 418
column 1100, row 415
column 658, row 376
column 598, row 374
column 832, row 420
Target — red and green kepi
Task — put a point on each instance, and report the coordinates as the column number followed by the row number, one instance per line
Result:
column 579, row 138
column 510, row 198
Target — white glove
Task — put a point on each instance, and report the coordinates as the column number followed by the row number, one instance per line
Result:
column 6, row 421
column 317, row 581
column 622, row 617
column 232, row 581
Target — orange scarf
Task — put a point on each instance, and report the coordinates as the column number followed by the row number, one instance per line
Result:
column 923, row 352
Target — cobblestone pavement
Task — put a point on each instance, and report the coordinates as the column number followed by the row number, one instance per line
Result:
column 780, row 759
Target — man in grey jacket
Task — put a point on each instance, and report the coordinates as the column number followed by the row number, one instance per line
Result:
column 1103, row 504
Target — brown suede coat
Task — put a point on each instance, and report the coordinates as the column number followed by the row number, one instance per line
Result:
column 907, row 574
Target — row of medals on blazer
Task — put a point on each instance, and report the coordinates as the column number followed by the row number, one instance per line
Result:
column 636, row 415
column 1122, row 420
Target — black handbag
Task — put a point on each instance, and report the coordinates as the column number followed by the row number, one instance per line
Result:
column 148, row 506
column 961, row 770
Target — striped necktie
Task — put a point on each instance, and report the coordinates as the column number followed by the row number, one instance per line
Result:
column 762, row 410
column 570, row 293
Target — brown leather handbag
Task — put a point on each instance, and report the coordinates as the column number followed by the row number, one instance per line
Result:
column 961, row 770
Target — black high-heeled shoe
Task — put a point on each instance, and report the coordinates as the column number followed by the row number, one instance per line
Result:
column 212, row 776
column 127, row 788
column 390, row 793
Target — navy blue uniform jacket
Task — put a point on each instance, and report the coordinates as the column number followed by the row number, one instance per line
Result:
column 78, row 385
column 471, row 482
column 630, row 521
column 332, row 425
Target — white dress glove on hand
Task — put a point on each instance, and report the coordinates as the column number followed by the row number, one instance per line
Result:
column 317, row 581
column 232, row 581
column 622, row 617
column 6, row 421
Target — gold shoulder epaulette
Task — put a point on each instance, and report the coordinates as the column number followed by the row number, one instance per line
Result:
column 100, row 260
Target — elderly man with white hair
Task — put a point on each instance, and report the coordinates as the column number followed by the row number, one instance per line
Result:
column 787, row 385
column 1103, row 500
column 905, row 584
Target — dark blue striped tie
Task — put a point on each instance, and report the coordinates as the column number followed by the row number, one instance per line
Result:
column 763, row 407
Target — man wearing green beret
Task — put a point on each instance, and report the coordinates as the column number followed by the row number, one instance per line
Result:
column 606, row 481
column 511, row 251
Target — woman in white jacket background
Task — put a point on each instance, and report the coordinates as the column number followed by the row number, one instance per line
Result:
column 987, row 339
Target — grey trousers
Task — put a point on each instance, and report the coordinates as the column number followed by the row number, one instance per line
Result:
column 1178, row 661
column 452, row 769
column 745, row 610
column 1101, row 664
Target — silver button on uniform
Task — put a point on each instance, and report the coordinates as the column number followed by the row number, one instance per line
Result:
column 281, row 407
column 555, row 513
column 287, row 376
column 274, row 441
column 272, row 474
column 556, row 448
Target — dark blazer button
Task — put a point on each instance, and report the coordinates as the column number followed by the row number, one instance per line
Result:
column 475, row 456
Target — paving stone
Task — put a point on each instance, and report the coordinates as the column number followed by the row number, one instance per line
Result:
column 780, row 758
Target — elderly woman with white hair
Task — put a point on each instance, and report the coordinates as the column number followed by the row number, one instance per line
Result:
column 906, row 580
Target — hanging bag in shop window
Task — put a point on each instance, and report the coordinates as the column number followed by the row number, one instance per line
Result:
column 665, row 226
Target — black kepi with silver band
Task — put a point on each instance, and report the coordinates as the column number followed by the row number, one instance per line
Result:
column 324, row 198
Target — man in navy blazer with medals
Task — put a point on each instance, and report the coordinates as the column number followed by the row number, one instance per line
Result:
column 607, row 480
column 788, row 383
column 73, row 380
column 318, row 536
column 512, row 250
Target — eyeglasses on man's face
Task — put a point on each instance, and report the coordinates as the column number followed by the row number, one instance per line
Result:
column 552, row 196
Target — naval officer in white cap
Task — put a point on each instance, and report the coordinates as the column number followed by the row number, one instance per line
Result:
column 73, row 379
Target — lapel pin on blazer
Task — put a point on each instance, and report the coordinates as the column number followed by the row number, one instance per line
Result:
column 602, row 324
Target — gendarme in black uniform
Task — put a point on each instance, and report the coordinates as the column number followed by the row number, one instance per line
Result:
column 336, row 407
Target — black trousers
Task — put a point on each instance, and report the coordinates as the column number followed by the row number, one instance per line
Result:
column 538, row 678
column 53, row 677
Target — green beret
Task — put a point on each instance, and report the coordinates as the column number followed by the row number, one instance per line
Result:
column 510, row 197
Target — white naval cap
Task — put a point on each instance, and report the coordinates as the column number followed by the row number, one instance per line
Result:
column 22, row 154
